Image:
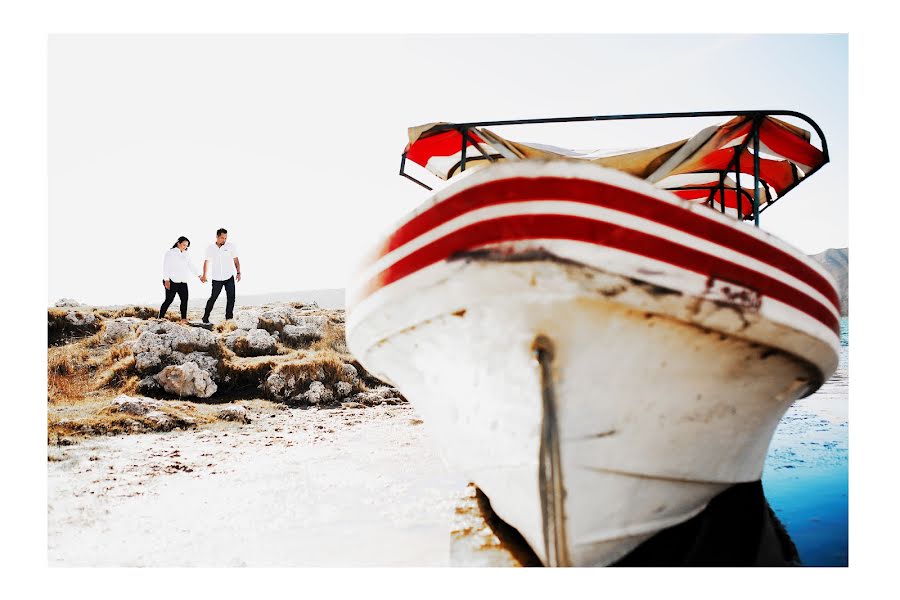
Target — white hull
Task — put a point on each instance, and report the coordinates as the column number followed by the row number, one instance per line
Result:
column 665, row 395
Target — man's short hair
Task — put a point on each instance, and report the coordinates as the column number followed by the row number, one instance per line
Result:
column 220, row 231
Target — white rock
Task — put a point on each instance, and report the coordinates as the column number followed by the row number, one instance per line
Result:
column 256, row 342
column 78, row 318
column 147, row 362
column 247, row 319
column 186, row 380
column 135, row 406
column 318, row 393
column 235, row 413
column 67, row 302
column 275, row 385
column 261, row 341
column 306, row 328
column 118, row 329
column 343, row 389
column 159, row 419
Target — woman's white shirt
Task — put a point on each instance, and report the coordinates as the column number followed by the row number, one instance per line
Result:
column 178, row 267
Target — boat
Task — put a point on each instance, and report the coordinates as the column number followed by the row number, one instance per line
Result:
column 603, row 342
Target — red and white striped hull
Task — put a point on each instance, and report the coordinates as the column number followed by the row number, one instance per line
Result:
column 680, row 337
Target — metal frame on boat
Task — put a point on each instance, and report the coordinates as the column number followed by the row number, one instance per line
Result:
column 757, row 115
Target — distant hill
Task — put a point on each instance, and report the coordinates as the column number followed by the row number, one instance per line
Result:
column 837, row 262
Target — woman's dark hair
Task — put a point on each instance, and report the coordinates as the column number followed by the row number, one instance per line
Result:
column 181, row 239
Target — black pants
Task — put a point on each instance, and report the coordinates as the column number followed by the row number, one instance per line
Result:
column 175, row 288
column 217, row 286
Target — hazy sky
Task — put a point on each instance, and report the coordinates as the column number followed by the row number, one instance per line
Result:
column 293, row 142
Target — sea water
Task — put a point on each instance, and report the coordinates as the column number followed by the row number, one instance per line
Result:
column 805, row 475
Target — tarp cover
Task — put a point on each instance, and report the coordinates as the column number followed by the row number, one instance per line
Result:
column 692, row 168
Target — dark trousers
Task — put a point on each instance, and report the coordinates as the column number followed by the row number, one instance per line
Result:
column 217, row 286
column 175, row 288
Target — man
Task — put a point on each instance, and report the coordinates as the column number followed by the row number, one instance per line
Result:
column 224, row 266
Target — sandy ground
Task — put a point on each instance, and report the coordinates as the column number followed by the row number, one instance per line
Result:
column 340, row 487
column 347, row 487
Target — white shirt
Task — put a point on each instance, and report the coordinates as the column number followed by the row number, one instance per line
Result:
column 221, row 261
column 177, row 266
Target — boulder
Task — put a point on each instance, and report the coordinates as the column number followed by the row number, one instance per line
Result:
column 277, row 386
column 79, row 319
column 350, row 371
column 186, row 380
column 208, row 363
column 305, row 329
column 119, row 329
column 148, row 362
column 67, row 302
column 380, row 395
column 162, row 343
column 160, row 420
column 135, row 406
column 247, row 319
column 343, row 389
column 318, row 393
column 255, row 342
column 235, row 413
column 174, row 337
column 149, row 385
column 261, row 341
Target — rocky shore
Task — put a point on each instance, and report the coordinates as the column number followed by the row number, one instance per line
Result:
column 121, row 370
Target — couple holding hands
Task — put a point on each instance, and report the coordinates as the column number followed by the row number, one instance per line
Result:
column 221, row 263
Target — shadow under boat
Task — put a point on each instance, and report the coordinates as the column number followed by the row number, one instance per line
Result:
column 737, row 529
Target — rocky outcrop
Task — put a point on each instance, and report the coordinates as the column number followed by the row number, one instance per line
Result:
column 67, row 323
column 116, row 330
column 255, row 342
column 318, row 394
column 297, row 327
column 163, row 343
column 187, row 380
column 837, row 262
column 67, row 302
column 270, row 356
column 146, row 414
column 309, row 329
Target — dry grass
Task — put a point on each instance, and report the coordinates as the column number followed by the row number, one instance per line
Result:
column 85, row 373
column 332, row 340
column 225, row 327
column 242, row 376
column 97, row 417
column 141, row 312
column 325, row 366
column 87, row 368
column 66, row 377
column 60, row 328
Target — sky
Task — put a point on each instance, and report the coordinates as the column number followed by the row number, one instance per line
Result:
column 293, row 143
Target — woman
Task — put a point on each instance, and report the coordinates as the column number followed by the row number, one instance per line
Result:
column 177, row 268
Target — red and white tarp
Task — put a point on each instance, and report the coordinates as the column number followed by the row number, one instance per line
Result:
column 697, row 168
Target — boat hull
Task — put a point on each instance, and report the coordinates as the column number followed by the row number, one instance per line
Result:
column 668, row 385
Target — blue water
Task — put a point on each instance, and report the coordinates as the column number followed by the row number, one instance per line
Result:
column 805, row 475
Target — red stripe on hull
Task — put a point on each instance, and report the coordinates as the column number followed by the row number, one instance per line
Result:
column 605, row 195
column 580, row 229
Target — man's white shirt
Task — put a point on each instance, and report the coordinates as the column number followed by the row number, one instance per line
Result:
column 177, row 266
column 221, row 261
